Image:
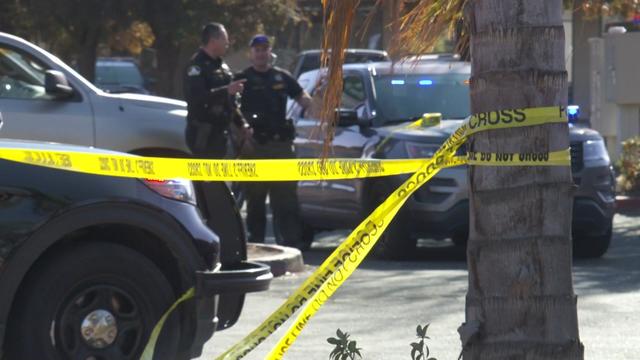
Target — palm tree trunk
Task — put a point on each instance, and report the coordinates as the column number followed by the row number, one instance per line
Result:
column 519, row 251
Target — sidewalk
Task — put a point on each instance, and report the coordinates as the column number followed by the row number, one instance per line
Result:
column 281, row 259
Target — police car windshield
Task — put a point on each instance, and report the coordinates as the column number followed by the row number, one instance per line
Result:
column 401, row 96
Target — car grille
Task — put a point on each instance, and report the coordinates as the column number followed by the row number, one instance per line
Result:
column 576, row 157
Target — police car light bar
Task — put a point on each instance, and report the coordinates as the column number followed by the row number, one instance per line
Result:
column 573, row 111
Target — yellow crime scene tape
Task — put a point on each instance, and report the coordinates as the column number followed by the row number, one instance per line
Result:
column 346, row 258
column 124, row 165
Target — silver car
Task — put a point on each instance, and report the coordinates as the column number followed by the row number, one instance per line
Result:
column 44, row 99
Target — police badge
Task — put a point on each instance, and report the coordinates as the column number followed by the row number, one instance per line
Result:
column 194, row 70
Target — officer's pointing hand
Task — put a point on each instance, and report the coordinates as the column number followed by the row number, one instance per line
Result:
column 235, row 87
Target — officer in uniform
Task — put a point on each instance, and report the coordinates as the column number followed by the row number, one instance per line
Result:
column 212, row 113
column 263, row 104
column 210, row 95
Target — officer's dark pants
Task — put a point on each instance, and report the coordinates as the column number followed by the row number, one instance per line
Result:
column 282, row 197
column 206, row 143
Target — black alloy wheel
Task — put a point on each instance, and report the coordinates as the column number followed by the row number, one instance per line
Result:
column 96, row 301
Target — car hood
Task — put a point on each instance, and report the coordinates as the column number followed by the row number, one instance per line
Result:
column 50, row 146
column 443, row 130
column 148, row 101
column 437, row 133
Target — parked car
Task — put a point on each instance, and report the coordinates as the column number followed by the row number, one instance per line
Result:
column 120, row 75
column 377, row 105
column 44, row 99
column 89, row 263
column 310, row 59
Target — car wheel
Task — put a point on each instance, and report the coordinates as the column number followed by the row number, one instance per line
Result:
column 460, row 239
column 308, row 233
column 96, row 301
column 396, row 243
column 592, row 246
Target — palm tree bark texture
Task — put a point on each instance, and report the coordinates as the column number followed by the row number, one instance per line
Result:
column 520, row 296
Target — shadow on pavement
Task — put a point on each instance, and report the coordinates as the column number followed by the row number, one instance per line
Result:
column 429, row 254
column 618, row 270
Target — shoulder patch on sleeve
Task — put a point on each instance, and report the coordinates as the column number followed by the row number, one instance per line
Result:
column 194, row 70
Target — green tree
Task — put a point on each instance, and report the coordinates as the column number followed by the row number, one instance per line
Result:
column 176, row 26
column 73, row 29
column 13, row 17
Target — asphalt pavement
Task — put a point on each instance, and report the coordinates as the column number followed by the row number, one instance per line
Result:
column 383, row 302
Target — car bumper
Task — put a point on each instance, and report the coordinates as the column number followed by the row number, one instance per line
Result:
column 440, row 209
column 243, row 278
column 591, row 218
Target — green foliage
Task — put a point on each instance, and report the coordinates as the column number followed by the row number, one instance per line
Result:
column 73, row 29
column 420, row 350
column 629, row 167
column 345, row 349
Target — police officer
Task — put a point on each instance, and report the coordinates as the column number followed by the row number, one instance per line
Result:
column 212, row 112
column 263, row 104
column 210, row 94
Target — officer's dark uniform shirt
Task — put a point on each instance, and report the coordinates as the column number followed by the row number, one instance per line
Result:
column 264, row 100
column 208, row 102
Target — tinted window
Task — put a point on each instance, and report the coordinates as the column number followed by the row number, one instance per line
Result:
column 353, row 93
column 118, row 73
column 400, row 97
column 310, row 62
column 21, row 75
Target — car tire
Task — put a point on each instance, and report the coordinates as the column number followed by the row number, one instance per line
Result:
column 308, row 234
column 95, row 282
column 460, row 239
column 396, row 242
column 593, row 246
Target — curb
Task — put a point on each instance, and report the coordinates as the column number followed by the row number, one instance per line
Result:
column 626, row 204
column 281, row 259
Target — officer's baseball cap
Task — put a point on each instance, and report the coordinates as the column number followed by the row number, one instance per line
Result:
column 260, row 39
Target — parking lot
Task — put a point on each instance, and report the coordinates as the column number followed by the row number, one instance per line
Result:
column 381, row 305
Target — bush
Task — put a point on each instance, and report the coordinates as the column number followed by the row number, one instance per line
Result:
column 629, row 164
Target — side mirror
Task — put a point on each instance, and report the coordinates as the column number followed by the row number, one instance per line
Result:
column 347, row 117
column 55, row 83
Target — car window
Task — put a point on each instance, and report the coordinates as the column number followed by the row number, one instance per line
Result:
column 310, row 62
column 317, row 93
column 403, row 96
column 118, row 73
column 353, row 92
column 21, row 75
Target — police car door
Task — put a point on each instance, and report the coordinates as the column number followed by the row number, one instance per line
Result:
column 308, row 144
column 342, row 196
column 30, row 112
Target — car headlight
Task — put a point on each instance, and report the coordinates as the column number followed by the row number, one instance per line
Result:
column 421, row 151
column 176, row 189
column 594, row 153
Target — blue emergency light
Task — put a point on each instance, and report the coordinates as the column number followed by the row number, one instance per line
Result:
column 397, row 82
column 425, row 82
column 573, row 112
